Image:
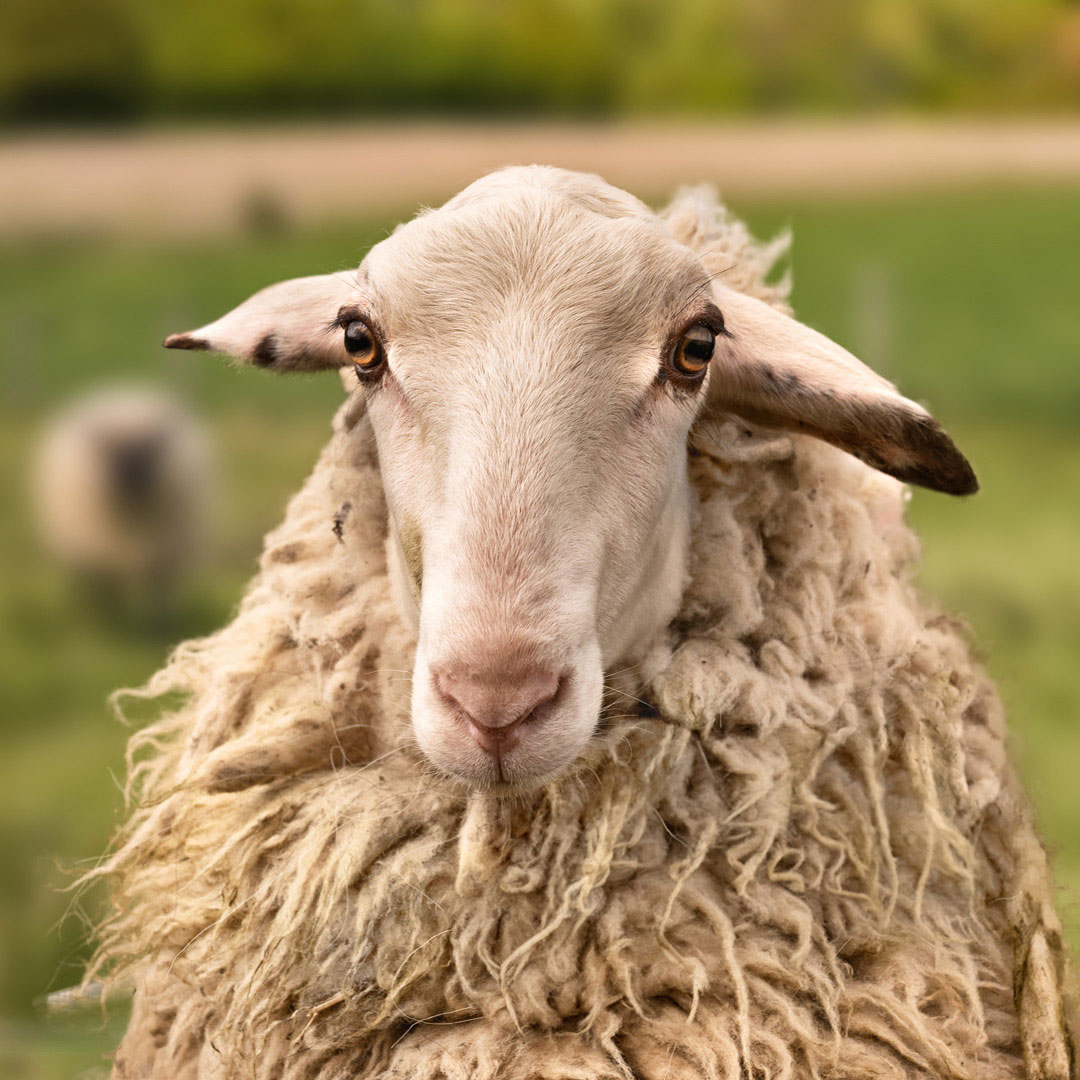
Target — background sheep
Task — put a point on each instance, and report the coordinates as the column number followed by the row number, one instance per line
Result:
column 122, row 488
column 793, row 846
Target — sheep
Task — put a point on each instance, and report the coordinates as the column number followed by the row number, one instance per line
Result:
column 121, row 487
column 583, row 719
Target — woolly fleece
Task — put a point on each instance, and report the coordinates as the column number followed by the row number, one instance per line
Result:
column 796, row 850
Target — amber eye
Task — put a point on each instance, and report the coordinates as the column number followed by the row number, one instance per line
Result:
column 361, row 345
column 694, row 351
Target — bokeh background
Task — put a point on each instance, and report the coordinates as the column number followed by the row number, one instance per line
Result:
column 159, row 162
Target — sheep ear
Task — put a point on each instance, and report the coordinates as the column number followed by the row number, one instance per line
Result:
column 285, row 327
column 774, row 371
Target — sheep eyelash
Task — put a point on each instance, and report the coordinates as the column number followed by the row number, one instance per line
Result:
column 347, row 315
column 707, row 315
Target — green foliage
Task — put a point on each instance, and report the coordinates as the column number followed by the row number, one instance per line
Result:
column 967, row 300
column 126, row 58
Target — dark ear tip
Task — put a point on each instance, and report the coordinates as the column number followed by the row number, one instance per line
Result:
column 951, row 476
column 934, row 461
column 961, row 484
column 971, row 484
column 186, row 341
column 955, row 475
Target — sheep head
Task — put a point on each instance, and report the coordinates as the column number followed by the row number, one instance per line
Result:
column 532, row 357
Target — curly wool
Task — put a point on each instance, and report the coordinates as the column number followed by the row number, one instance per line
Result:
column 795, row 849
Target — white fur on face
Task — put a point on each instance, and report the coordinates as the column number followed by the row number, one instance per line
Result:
column 534, row 466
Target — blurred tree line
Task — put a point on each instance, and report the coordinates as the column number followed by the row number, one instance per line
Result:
column 161, row 59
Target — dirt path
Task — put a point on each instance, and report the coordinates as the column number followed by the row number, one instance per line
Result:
column 197, row 182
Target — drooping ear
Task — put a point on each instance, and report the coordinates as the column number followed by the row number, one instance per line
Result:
column 772, row 370
column 282, row 327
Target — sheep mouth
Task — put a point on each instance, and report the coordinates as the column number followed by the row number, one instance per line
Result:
column 531, row 760
column 513, row 768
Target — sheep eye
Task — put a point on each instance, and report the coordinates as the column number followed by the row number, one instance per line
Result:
column 693, row 351
column 360, row 344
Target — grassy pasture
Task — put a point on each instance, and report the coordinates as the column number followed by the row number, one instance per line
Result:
column 967, row 299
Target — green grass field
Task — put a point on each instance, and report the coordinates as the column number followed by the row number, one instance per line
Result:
column 968, row 300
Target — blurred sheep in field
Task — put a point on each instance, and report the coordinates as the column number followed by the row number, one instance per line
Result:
column 121, row 487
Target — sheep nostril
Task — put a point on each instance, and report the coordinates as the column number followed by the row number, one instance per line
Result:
column 496, row 710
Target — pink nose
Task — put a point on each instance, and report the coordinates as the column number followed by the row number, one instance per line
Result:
column 497, row 709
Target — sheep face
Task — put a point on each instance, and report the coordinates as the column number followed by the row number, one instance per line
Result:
column 532, row 357
column 532, row 439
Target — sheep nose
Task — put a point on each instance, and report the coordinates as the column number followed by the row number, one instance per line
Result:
column 496, row 709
